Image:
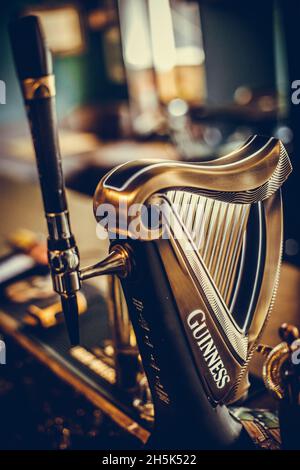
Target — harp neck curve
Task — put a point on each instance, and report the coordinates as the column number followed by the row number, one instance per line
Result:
column 248, row 175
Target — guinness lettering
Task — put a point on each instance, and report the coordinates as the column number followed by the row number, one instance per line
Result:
column 197, row 324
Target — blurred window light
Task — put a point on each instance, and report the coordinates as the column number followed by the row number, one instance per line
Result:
column 175, row 34
column 138, row 61
column 177, row 49
column 162, row 36
column 187, row 33
column 135, row 34
column 165, row 36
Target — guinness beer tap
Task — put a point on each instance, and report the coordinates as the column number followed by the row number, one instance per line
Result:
column 199, row 285
column 34, row 68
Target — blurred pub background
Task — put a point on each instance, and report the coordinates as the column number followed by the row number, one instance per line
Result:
column 175, row 79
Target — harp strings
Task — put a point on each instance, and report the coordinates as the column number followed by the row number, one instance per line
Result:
column 217, row 229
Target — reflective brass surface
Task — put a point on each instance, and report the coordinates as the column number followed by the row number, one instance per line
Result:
column 272, row 369
column 280, row 373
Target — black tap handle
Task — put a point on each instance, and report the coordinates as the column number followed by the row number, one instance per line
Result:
column 34, row 68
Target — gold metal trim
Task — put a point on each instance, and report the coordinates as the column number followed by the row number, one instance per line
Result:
column 37, row 88
column 117, row 262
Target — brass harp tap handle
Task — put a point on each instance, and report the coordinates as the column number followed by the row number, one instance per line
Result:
column 202, row 293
